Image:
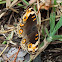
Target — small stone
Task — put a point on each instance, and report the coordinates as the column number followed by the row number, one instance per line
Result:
column 12, row 51
column 20, row 56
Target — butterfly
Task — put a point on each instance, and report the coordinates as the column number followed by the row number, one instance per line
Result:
column 29, row 31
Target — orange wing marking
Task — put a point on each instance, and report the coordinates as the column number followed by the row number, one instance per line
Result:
column 23, row 41
column 33, row 16
column 34, row 19
column 20, row 31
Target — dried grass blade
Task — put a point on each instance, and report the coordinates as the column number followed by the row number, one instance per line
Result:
column 13, row 3
column 8, row 2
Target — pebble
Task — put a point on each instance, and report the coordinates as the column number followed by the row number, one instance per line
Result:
column 22, row 53
column 20, row 56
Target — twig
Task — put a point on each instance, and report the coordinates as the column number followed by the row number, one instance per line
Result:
column 4, row 49
column 14, row 10
column 43, row 7
column 4, row 57
column 10, row 18
column 39, row 15
column 5, row 31
column 2, row 14
column 39, row 22
column 54, row 50
column 17, row 54
column 40, row 7
column 3, row 45
column 56, row 42
column 17, row 2
column 49, row 18
column 12, row 4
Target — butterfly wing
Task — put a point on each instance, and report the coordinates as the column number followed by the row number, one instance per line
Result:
column 29, row 32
